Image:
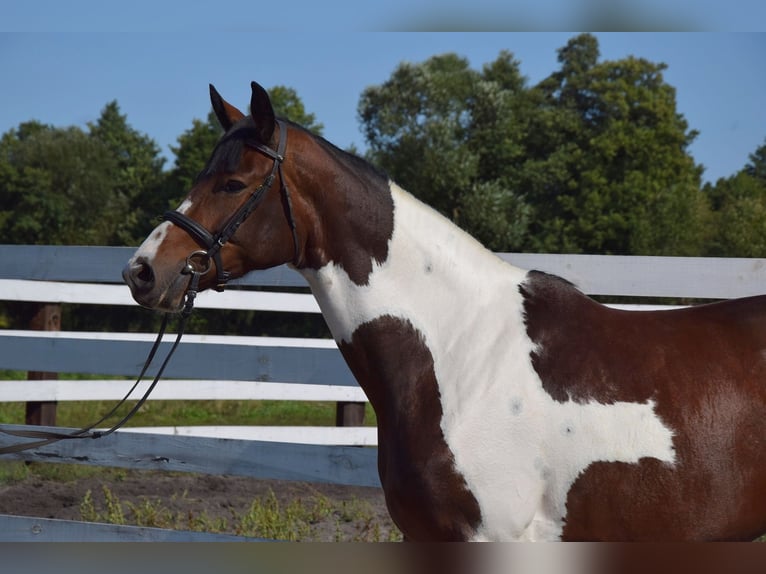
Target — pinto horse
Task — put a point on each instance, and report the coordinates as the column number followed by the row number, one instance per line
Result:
column 510, row 406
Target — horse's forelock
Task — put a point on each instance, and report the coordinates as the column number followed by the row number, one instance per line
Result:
column 228, row 151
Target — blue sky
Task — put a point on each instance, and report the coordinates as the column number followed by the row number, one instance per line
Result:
column 160, row 79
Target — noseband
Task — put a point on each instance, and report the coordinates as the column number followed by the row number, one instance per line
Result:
column 212, row 244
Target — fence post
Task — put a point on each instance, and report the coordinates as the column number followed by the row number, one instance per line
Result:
column 47, row 318
column 349, row 414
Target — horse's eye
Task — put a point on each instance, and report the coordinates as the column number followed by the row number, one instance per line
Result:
column 233, row 186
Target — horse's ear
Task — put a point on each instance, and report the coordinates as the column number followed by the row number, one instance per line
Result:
column 227, row 114
column 262, row 112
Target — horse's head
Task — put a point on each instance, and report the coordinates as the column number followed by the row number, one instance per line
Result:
column 237, row 217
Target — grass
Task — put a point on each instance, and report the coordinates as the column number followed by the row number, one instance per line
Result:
column 180, row 413
column 177, row 413
column 267, row 517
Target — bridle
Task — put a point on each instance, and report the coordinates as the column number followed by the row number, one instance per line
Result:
column 212, row 245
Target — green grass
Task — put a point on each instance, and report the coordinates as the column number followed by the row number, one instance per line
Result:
column 181, row 413
column 296, row 520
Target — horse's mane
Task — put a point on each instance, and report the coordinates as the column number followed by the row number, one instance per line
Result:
column 354, row 162
column 228, row 152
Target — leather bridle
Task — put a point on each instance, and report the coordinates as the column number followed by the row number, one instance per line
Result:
column 212, row 244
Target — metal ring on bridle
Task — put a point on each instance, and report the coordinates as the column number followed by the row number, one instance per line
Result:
column 191, row 266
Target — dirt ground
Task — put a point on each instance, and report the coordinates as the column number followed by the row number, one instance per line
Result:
column 327, row 512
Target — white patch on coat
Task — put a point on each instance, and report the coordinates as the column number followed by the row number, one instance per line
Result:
column 518, row 449
column 151, row 245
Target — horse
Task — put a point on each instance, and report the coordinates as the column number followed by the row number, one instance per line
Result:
column 510, row 405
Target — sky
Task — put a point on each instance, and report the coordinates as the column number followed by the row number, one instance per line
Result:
column 60, row 72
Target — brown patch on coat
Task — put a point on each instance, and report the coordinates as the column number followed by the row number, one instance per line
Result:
column 342, row 204
column 705, row 369
column 426, row 496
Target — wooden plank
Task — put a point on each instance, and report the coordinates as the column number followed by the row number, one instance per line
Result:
column 68, row 352
column 28, row 529
column 95, row 264
column 101, row 294
column 64, row 263
column 703, row 277
column 267, row 460
column 175, row 390
column 697, row 277
column 324, row 435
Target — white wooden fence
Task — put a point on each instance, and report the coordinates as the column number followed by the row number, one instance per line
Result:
column 255, row 368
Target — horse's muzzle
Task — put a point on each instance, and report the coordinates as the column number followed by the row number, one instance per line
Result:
column 142, row 280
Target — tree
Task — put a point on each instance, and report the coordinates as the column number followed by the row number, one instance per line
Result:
column 594, row 158
column 287, row 104
column 416, row 125
column 57, row 186
column 139, row 168
column 451, row 136
column 493, row 209
column 608, row 167
column 192, row 152
column 757, row 166
column 739, row 210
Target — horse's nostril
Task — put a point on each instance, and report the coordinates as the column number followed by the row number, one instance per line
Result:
column 138, row 274
column 144, row 272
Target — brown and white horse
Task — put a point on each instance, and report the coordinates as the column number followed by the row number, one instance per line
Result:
column 510, row 406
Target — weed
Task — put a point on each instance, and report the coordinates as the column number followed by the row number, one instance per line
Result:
column 12, row 472
column 267, row 517
column 88, row 511
column 114, row 513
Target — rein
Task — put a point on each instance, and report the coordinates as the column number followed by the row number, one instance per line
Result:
column 49, row 437
column 212, row 252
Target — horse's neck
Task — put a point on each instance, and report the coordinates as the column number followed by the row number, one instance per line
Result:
column 432, row 271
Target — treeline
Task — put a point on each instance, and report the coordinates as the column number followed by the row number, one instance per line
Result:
column 106, row 184
column 592, row 159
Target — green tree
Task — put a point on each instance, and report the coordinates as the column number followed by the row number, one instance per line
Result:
column 416, row 124
column 739, row 210
column 287, row 104
column 139, row 168
column 194, row 148
column 57, row 186
column 757, row 166
column 592, row 159
column 452, row 137
column 608, row 167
